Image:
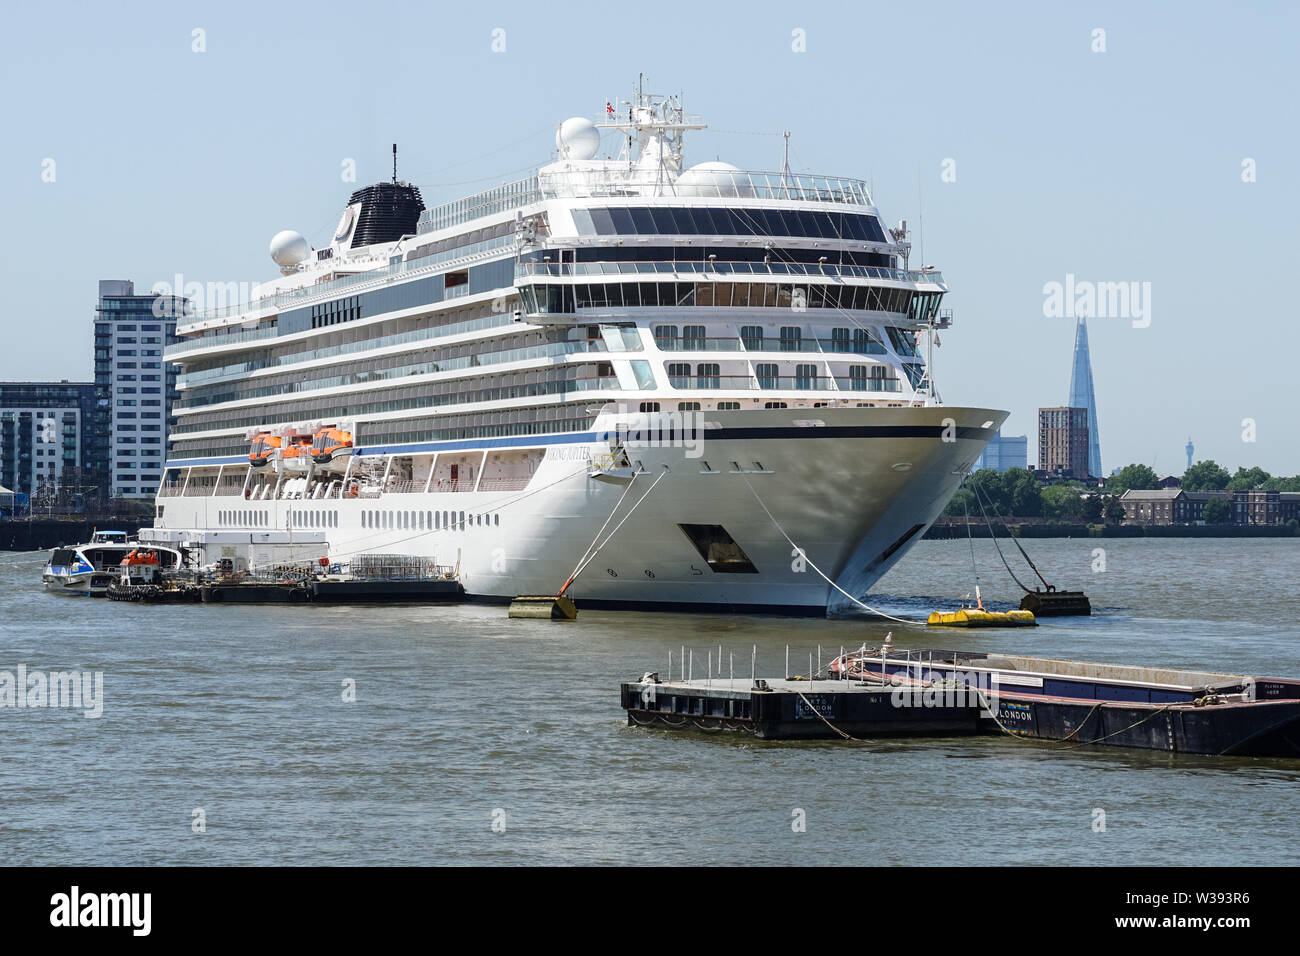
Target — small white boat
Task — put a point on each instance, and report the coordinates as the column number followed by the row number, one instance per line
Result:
column 86, row 570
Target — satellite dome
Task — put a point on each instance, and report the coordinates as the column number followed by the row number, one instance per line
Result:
column 289, row 248
column 713, row 179
column 577, row 138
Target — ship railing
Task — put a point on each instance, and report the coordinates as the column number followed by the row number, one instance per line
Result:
column 380, row 274
column 452, row 485
column 715, row 184
column 727, row 267
column 397, row 567
column 855, row 384
column 498, row 199
column 796, row 383
column 744, row 344
column 504, row 484
column 404, row 487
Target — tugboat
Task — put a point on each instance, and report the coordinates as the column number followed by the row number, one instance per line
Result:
column 142, row 578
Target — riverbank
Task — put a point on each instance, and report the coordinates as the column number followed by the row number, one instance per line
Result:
column 948, row 528
column 41, row 534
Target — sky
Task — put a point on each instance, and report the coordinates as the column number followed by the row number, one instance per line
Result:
column 148, row 141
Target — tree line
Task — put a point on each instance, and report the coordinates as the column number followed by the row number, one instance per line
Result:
column 1017, row 492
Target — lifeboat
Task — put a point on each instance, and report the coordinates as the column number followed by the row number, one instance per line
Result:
column 296, row 454
column 330, row 445
column 264, row 449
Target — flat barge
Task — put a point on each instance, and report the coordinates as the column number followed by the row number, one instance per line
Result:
column 302, row 591
column 1113, row 705
column 777, row 709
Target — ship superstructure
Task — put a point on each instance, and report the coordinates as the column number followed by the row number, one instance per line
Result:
column 490, row 382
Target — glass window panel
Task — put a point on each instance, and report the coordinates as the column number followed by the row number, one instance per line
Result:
column 685, row 222
column 582, row 222
column 642, row 220
column 622, row 220
column 645, row 379
column 600, row 219
column 769, row 221
column 663, row 220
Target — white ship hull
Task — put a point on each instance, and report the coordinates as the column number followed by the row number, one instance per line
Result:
column 853, row 492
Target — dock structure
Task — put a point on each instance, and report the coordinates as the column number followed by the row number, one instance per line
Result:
column 781, row 709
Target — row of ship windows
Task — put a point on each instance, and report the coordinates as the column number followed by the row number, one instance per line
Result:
column 566, row 299
column 735, row 406
column 199, row 372
column 243, row 519
column 403, row 365
column 712, row 221
column 532, row 383
column 499, row 423
column 426, row 520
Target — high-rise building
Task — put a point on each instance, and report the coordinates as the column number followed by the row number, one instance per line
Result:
column 46, row 432
column 1082, row 396
column 1004, row 453
column 1191, row 450
column 134, row 387
column 1063, row 441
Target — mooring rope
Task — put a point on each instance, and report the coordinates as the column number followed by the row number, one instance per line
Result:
column 1014, row 540
column 804, row 555
column 993, row 535
column 618, row 504
column 591, row 557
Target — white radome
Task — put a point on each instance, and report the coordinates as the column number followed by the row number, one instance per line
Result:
column 289, row 248
column 712, row 179
column 577, row 138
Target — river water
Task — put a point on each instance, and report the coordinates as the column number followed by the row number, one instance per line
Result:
column 234, row 717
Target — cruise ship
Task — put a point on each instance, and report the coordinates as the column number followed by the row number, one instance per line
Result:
column 707, row 387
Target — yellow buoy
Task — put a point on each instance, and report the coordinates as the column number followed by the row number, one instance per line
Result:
column 978, row 617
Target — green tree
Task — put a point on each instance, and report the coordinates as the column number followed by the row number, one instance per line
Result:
column 1205, row 476
column 1217, row 511
column 1248, row 478
column 991, row 487
column 1024, row 492
column 962, row 503
column 1062, row 501
column 1092, row 508
column 1114, row 511
column 1134, row 477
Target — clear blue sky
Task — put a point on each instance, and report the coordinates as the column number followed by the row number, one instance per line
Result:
column 1117, row 166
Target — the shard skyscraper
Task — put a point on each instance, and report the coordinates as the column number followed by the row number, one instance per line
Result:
column 1081, row 395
